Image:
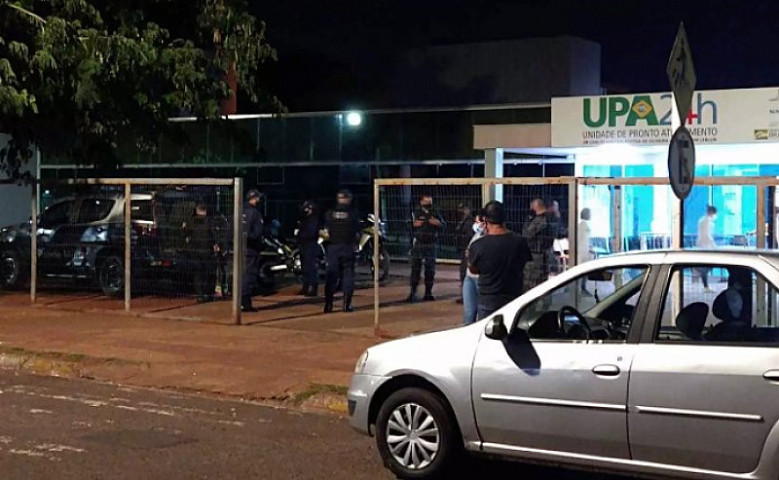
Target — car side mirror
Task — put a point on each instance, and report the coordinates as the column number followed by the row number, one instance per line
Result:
column 496, row 328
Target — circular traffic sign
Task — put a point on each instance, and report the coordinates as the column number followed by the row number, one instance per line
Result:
column 681, row 163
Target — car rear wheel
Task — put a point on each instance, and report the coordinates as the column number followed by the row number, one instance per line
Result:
column 416, row 436
column 111, row 275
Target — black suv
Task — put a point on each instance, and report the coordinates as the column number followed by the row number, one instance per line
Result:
column 81, row 239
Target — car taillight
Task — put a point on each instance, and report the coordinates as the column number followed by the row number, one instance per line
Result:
column 166, row 263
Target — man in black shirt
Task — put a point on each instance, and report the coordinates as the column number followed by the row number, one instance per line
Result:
column 343, row 226
column 426, row 224
column 499, row 259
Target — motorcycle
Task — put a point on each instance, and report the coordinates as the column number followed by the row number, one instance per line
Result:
column 365, row 248
column 363, row 252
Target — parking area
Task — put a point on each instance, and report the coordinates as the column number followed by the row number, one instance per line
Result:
column 284, row 308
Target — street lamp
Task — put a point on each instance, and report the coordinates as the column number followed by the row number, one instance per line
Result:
column 354, row 119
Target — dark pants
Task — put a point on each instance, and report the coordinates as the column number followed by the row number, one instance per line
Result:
column 423, row 253
column 204, row 275
column 309, row 258
column 251, row 270
column 340, row 267
column 489, row 304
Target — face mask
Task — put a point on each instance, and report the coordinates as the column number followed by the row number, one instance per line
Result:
column 478, row 228
column 427, row 205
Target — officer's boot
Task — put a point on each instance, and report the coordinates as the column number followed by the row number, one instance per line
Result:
column 348, row 307
column 412, row 297
column 428, row 293
column 313, row 291
column 303, row 291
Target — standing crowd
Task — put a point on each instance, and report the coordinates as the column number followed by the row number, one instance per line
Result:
column 498, row 265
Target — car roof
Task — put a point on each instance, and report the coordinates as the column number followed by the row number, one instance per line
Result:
column 693, row 255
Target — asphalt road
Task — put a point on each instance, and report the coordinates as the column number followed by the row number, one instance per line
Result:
column 67, row 429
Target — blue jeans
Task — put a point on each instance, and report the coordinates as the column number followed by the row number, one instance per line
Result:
column 470, row 299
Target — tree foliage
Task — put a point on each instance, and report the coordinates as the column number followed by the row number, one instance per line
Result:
column 79, row 76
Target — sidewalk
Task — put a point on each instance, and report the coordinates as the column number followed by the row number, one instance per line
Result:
column 286, row 350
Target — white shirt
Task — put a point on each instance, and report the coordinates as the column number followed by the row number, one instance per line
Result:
column 583, row 242
column 705, row 229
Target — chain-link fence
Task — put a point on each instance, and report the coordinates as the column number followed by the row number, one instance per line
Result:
column 136, row 245
column 427, row 257
column 597, row 217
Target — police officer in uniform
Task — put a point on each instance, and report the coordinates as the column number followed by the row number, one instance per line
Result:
column 253, row 229
column 343, row 226
column 540, row 234
column 425, row 227
column 308, row 238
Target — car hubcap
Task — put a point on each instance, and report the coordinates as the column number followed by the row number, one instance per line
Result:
column 412, row 436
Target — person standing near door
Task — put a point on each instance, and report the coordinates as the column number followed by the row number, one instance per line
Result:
column 343, row 227
column 705, row 240
column 426, row 223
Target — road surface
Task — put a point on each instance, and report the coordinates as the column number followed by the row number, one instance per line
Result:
column 70, row 429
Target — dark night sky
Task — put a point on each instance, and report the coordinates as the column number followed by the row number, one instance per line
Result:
column 336, row 54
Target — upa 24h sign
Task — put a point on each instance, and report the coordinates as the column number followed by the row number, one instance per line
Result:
column 715, row 117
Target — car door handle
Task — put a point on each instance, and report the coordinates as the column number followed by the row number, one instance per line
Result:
column 772, row 375
column 606, row 370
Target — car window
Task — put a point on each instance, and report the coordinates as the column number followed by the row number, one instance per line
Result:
column 711, row 304
column 598, row 305
column 56, row 215
column 94, row 209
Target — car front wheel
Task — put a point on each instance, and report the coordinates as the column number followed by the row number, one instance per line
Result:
column 416, row 436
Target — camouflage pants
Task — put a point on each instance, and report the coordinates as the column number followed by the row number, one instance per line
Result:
column 536, row 272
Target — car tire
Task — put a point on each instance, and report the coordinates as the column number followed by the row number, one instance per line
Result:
column 111, row 275
column 416, row 435
column 13, row 272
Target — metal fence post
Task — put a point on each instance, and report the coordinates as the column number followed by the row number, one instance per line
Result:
column 376, row 263
column 573, row 225
column 616, row 218
column 34, row 241
column 237, row 249
column 128, row 240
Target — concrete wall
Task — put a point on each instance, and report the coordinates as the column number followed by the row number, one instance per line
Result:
column 512, row 71
column 14, row 199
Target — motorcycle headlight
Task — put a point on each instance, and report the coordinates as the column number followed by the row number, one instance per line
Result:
column 361, row 362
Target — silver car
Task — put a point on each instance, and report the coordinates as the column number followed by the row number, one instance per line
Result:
column 658, row 363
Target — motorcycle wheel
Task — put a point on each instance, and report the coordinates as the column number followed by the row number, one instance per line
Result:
column 384, row 265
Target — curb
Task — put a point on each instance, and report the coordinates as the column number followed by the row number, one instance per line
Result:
column 316, row 397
